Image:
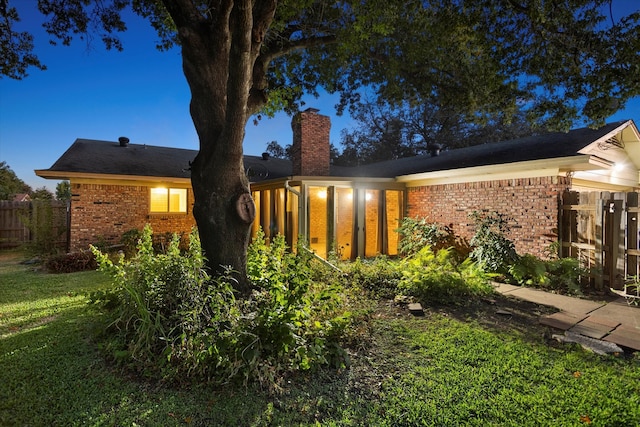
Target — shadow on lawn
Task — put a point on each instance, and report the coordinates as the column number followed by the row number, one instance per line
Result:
column 52, row 373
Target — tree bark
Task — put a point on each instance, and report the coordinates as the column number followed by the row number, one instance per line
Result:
column 219, row 52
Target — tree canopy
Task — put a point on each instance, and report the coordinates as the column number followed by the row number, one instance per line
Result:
column 10, row 184
column 384, row 132
column 565, row 59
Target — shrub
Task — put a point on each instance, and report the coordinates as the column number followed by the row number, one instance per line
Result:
column 564, row 275
column 129, row 241
column 529, row 270
column 47, row 226
column 379, row 275
column 71, row 262
column 172, row 318
column 416, row 233
column 295, row 324
column 491, row 249
column 153, row 291
column 436, row 277
column 560, row 274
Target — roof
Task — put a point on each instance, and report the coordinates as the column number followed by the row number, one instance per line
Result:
column 92, row 157
column 21, row 197
column 88, row 156
column 544, row 146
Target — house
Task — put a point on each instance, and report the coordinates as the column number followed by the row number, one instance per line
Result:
column 22, row 197
column 117, row 186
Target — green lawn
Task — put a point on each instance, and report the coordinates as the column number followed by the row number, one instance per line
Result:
column 441, row 369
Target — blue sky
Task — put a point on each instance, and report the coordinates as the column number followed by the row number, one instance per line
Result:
column 141, row 93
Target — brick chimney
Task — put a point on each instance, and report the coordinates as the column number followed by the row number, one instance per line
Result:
column 310, row 149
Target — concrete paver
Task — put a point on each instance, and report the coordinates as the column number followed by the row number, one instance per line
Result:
column 561, row 302
column 591, row 329
column 627, row 337
column 615, row 322
column 561, row 320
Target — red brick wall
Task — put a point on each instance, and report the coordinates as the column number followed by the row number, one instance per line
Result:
column 531, row 202
column 310, row 148
column 105, row 212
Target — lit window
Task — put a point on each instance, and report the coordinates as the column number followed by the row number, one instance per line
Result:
column 169, row 200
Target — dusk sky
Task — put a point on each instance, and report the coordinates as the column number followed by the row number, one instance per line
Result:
column 140, row 93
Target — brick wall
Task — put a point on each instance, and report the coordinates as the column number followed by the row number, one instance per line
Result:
column 311, row 145
column 105, row 212
column 531, row 202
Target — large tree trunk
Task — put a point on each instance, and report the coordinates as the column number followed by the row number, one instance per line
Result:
column 223, row 211
column 219, row 52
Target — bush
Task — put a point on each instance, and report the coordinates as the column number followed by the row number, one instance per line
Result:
column 416, row 233
column 129, row 241
column 71, row 262
column 296, row 324
column 172, row 318
column 564, row 275
column 561, row 274
column 379, row 275
column 529, row 271
column 491, row 249
column 436, row 277
column 153, row 292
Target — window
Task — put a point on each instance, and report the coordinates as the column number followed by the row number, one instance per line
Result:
column 172, row 200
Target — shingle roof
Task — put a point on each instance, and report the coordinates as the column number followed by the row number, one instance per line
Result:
column 109, row 158
column 545, row 146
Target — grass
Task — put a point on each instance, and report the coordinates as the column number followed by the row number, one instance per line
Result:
column 452, row 367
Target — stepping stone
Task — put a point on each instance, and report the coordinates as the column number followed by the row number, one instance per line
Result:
column 605, row 321
column 626, row 337
column 561, row 320
column 592, row 329
column 416, row 309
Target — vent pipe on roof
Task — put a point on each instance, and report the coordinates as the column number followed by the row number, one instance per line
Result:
column 124, row 141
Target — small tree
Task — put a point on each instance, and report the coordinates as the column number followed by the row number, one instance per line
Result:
column 63, row 191
column 46, row 225
column 492, row 250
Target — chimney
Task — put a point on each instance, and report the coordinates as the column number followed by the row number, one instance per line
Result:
column 435, row 149
column 124, row 141
column 310, row 150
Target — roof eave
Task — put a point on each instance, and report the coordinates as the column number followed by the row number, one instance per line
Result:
column 66, row 175
column 489, row 172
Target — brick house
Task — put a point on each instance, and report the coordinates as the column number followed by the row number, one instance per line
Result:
column 117, row 186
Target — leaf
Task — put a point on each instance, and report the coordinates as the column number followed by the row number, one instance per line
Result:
column 585, row 419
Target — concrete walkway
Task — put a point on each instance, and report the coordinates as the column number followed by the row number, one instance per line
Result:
column 613, row 321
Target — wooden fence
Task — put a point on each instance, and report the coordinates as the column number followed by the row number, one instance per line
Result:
column 41, row 222
column 601, row 230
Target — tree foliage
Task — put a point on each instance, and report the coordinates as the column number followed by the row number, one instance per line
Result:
column 10, row 184
column 63, row 190
column 42, row 193
column 385, row 132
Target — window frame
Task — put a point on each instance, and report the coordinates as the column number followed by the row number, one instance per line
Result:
column 168, row 194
